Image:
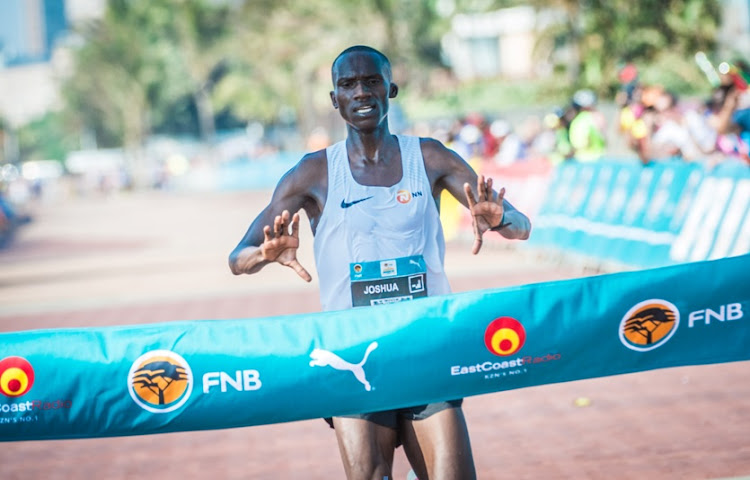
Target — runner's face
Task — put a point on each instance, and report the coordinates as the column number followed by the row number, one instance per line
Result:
column 361, row 91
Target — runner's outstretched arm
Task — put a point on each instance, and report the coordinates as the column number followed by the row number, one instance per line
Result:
column 490, row 210
column 273, row 237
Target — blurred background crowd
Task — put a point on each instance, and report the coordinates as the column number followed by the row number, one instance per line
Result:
column 651, row 124
column 106, row 96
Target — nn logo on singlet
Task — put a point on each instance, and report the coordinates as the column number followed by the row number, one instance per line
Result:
column 405, row 196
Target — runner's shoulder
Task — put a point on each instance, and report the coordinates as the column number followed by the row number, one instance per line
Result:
column 314, row 162
column 312, row 168
column 435, row 154
column 432, row 146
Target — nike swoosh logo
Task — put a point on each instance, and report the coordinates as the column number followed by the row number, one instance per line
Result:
column 345, row 204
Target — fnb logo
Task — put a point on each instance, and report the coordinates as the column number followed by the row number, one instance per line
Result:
column 243, row 381
column 160, row 381
column 648, row 325
column 16, row 376
column 730, row 312
column 405, row 196
column 504, row 336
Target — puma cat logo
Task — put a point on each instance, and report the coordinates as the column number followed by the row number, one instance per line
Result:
column 324, row 358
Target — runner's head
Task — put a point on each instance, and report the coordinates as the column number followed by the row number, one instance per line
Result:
column 362, row 87
column 362, row 49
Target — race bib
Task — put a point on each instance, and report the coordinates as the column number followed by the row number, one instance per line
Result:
column 388, row 281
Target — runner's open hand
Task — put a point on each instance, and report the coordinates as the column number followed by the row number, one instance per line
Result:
column 486, row 212
column 280, row 246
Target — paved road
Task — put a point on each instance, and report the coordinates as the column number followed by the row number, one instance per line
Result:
column 160, row 257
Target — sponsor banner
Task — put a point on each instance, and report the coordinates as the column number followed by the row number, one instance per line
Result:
column 660, row 214
column 145, row 379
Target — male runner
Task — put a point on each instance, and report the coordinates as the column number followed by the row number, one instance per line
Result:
column 369, row 198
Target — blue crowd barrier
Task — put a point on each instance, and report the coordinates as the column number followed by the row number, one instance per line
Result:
column 255, row 174
column 646, row 216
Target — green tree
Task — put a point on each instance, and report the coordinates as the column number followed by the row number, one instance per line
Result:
column 200, row 33
column 140, row 60
column 284, row 50
column 602, row 34
column 269, row 60
column 283, row 53
column 45, row 138
column 118, row 75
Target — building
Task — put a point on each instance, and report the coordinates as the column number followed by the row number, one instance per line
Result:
column 493, row 44
column 29, row 30
column 31, row 34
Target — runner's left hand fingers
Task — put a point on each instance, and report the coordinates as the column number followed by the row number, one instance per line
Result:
column 469, row 196
column 277, row 226
column 285, row 222
column 300, row 270
column 477, row 241
column 475, row 224
column 481, row 188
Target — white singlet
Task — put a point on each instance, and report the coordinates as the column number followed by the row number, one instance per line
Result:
column 386, row 230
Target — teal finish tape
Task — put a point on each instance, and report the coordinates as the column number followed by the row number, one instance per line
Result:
column 146, row 379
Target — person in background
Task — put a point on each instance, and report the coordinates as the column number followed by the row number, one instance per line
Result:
column 670, row 133
column 586, row 129
column 510, row 145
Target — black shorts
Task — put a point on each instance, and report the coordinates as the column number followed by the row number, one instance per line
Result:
column 392, row 418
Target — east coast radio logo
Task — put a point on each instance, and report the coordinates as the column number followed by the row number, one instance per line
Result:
column 649, row 324
column 16, row 379
column 160, row 381
column 16, row 376
column 504, row 336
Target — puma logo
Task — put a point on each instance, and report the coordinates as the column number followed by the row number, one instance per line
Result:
column 324, row 358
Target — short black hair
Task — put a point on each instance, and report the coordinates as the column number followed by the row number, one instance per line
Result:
column 365, row 49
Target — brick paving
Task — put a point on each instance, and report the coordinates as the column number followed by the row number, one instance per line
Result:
column 161, row 257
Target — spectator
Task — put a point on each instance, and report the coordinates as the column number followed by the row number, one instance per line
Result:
column 720, row 112
column 558, row 123
column 670, row 136
column 510, row 145
column 586, row 129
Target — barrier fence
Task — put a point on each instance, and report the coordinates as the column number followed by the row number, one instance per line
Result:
column 660, row 214
column 146, row 379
